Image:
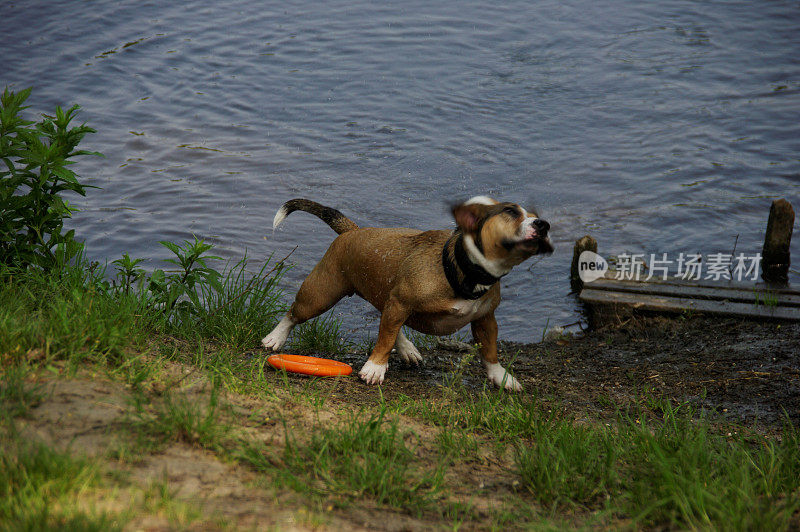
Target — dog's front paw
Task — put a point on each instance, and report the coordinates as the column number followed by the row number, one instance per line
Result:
column 498, row 376
column 373, row 373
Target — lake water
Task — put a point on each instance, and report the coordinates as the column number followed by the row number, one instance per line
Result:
column 661, row 127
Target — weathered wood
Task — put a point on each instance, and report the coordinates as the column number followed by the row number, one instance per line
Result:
column 607, row 305
column 611, row 275
column 587, row 243
column 775, row 254
column 612, row 299
column 751, row 295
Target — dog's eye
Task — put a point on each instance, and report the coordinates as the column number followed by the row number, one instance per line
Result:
column 511, row 211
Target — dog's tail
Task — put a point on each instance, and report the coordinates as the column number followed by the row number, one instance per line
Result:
column 338, row 221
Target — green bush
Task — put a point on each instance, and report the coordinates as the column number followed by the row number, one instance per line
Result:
column 35, row 156
column 194, row 300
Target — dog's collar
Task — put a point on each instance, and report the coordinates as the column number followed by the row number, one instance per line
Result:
column 467, row 279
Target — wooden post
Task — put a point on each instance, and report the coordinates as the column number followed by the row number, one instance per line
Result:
column 586, row 243
column 775, row 255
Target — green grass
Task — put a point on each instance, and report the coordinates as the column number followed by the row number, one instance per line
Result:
column 322, row 335
column 425, row 341
column 40, row 489
column 506, row 417
column 766, row 298
column 239, row 308
column 674, row 467
column 567, row 464
column 177, row 417
column 138, row 370
column 66, row 318
column 160, row 498
column 247, row 375
column 77, row 314
column 457, row 445
column 658, row 465
column 685, row 472
column 17, row 395
column 364, row 455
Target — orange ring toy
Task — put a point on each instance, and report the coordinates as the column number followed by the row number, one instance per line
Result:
column 319, row 367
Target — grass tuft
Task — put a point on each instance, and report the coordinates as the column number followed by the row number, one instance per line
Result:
column 457, row 445
column 567, row 464
column 238, row 307
column 39, row 488
column 17, row 395
column 179, row 418
column 320, row 335
column 364, row 455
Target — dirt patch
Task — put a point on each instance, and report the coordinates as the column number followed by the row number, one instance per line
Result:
column 747, row 371
column 76, row 414
column 88, row 417
column 182, row 485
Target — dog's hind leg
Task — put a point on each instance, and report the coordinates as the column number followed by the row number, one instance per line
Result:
column 407, row 350
column 275, row 340
column 322, row 289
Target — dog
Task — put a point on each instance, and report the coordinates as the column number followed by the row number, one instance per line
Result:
column 435, row 282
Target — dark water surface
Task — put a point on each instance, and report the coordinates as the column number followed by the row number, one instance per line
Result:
column 654, row 126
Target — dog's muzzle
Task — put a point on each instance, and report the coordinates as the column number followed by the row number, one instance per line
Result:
column 534, row 238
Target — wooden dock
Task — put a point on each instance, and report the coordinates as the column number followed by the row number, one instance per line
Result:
column 609, row 299
column 612, row 299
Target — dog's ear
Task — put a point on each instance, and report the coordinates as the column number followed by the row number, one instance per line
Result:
column 468, row 215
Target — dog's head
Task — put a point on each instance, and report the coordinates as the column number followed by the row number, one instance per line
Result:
column 500, row 235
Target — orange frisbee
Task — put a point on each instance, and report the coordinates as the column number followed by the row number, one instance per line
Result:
column 319, row 367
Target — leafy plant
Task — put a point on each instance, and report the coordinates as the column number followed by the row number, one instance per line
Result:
column 127, row 271
column 36, row 156
column 176, row 294
column 197, row 299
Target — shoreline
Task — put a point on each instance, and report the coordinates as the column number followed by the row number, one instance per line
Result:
column 746, row 371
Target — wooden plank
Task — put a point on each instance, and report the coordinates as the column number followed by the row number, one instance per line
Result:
column 697, row 292
column 706, row 283
column 679, row 304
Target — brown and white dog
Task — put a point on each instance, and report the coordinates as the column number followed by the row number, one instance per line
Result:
column 433, row 281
